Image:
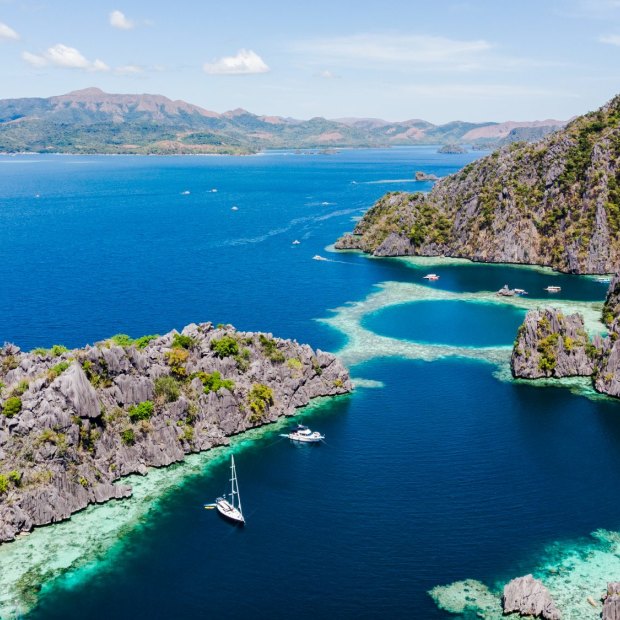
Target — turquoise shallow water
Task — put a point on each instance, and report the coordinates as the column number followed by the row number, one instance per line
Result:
column 435, row 471
column 458, row 323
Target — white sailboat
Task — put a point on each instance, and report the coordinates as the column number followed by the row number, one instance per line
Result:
column 231, row 509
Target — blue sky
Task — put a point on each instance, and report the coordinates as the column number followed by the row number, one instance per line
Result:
column 443, row 60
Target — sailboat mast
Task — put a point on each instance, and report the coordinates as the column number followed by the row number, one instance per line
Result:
column 234, row 485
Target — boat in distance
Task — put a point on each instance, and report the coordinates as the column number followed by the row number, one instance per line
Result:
column 303, row 434
column 230, row 510
column 318, row 257
column 431, row 276
column 553, row 289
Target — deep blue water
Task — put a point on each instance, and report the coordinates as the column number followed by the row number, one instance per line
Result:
column 457, row 323
column 442, row 474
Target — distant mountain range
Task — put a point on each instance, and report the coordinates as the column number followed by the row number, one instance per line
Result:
column 91, row 121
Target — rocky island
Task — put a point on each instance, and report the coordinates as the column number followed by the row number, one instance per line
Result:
column 424, row 176
column 554, row 203
column 549, row 344
column 452, row 149
column 72, row 423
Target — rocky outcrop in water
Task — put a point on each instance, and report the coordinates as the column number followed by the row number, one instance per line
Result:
column 72, row 423
column 611, row 602
column 555, row 203
column 551, row 344
column 423, row 176
column 529, row 597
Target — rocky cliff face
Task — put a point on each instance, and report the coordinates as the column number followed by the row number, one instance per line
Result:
column 74, row 422
column 529, row 597
column 555, row 203
column 551, row 344
column 611, row 602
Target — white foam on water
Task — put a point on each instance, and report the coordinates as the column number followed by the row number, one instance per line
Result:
column 359, row 382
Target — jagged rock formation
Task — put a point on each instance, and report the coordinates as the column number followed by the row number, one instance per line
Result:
column 529, row 597
column 611, row 602
column 74, row 422
column 555, row 203
column 607, row 378
column 424, row 176
column 551, row 344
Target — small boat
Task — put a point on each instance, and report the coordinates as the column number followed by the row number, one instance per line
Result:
column 304, row 435
column 235, row 208
column 296, row 242
column 431, row 276
column 318, row 257
column 603, row 279
column 506, row 292
column 185, row 193
column 230, row 509
column 213, row 191
column 520, row 291
column 553, row 289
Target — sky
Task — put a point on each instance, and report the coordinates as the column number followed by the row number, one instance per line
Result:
column 476, row 60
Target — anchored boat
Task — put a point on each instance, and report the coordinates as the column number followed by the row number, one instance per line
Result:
column 431, row 277
column 230, row 509
column 553, row 289
column 304, row 435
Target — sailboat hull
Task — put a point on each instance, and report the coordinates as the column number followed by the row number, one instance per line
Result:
column 229, row 512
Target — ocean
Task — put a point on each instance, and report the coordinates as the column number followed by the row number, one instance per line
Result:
column 437, row 468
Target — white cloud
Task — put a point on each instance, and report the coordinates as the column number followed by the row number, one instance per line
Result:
column 420, row 53
column 34, row 59
column 65, row 56
column 326, row 74
column 129, row 70
column 396, row 49
column 6, row 32
column 120, row 21
column 60, row 55
column 99, row 65
column 480, row 91
column 244, row 63
column 610, row 39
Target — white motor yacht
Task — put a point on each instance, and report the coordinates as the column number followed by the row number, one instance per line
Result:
column 304, row 435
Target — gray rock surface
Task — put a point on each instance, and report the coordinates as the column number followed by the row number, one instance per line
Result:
column 551, row 344
column 529, row 597
column 423, row 176
column 551, row 203
column 75, row 434
column 611, row 602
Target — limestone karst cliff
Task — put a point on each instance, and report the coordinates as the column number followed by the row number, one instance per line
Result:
column 555, row 203
column 73, row 422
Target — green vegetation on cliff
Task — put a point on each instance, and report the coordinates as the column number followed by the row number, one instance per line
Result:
column 555, row 202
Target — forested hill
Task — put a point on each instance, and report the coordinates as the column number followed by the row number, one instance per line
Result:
column 91, row 121
column 555, row 202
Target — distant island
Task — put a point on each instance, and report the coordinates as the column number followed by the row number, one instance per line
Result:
column 91, row 121
column 452, row 149
column 73, row 422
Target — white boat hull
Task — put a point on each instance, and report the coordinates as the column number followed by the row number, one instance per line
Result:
column 228, row 511
column 313, row 438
